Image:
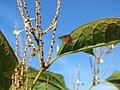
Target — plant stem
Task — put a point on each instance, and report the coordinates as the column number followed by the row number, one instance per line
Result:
column 40, row 71
column 91, row 86
column 53, row 60
column 39, row 56
column 43, row 69
column 104, row 81
column 38, row 75
column 97, row 69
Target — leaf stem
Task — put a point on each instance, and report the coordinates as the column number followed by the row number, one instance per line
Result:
column 90, row 87
column 38, row 75
column 53, row 60
column 43, row 69
column 104, row 81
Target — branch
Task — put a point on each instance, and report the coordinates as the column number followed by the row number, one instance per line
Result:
column 53, row 26
column 108, row 66
column 54, row 21
column 27, row 20
column 36, row 78
column 51, row 46
column 24, row 21
column 39, row 34
column 16, row 47
column 21, row 9
column 38, row 18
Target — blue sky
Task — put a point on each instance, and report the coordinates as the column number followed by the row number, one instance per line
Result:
column 73, row 13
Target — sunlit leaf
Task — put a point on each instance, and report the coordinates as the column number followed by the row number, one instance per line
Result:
column 114, row 79
column 97, row 33
column 8, row 62
column 49, row 80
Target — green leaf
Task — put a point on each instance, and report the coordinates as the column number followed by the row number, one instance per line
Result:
column 55, row 81
column 8, row 62
column 114, row 79
column 97, row 33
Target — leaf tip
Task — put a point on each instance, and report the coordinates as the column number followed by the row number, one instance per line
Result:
column 66, row 38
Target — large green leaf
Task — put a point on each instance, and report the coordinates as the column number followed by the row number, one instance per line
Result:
column 97, row 33
column 55, row 81
column 114, row 79
column 8, row 62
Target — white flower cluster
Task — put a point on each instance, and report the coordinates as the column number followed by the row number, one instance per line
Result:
column 17, row 32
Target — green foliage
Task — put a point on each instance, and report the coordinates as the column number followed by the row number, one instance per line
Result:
column 55, row 81
column 114, row 79
column 8, row 62
column 85, row 38
column 97, row 33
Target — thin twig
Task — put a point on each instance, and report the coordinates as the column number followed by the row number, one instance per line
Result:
column 23, row 64
column 26, row 79
column 92, row 67
column 21, row 9
column 16, row 82
column 24, row 21
column 38, row 18
column 54, row 21
column 39, row 33
column 30, row 40
column 53, row 24
column 21, row 46
column 51, row 47
column 108, row 66
column 27, row 20
column 16, row 48
column 91, row 86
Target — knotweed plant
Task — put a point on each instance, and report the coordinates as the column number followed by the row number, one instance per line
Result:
column 34, row 39
column 83, row 39
column 97, row 60
column 95, row 63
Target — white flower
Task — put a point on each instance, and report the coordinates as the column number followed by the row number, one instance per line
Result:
column 78, row 81
column 57, row 48
column 96, row 78
column 17, row 32
column 29, row 19
column 26, row 22
column 113, row 46
column 101, row 60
